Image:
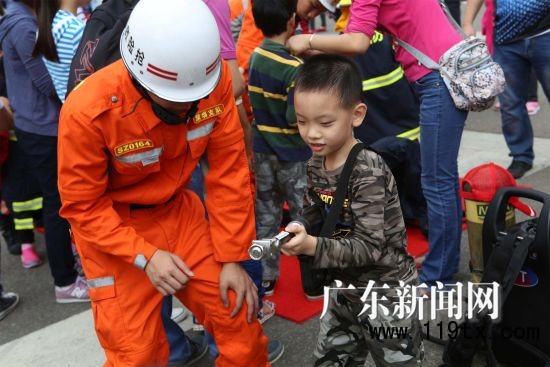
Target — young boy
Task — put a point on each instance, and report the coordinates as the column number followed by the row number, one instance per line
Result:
column 369, row 241
column 280, row 154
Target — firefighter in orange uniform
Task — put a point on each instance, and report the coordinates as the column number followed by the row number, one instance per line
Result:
column 129, row 138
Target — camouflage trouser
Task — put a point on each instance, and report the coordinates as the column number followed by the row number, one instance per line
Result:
column 276, row 182
column 343, row 341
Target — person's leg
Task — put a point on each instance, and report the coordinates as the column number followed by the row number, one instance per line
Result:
column 269, row 204
column 441, row 126
column 23, row 213
column 125, row 304
column 239, row 343
column 340, row 341
column 516, row 125
column 532, row 90
column 401, row 350
column 539, row 49
column 9, row 234
column 291, row 178
column 180, row 350
column 126, row 309
column 41, row 155
column 454, row 9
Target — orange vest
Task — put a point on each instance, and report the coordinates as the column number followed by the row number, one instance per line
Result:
column 114, row 151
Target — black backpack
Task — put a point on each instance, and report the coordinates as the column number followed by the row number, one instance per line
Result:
column 99, row 46
column 518, row 259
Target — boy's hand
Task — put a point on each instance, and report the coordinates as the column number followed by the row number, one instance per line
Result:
column 301, row 243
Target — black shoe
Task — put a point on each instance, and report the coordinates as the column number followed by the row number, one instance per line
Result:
column 519, row 168
column 8, row 232
column 8, row 301
column 14, row 247
column 269, row 287
column 199, row 347
column 275, row 350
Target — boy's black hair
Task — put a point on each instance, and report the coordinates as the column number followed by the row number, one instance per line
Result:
column 272, row 16
column 332, row 73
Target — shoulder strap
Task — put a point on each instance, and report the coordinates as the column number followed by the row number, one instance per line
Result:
column 341, row 191
column 506, row 261
column 452, row 20
column 419, row 55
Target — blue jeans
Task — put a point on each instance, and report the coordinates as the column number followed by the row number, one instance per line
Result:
column 516, row 59
column 441, row 126
column 180, row 350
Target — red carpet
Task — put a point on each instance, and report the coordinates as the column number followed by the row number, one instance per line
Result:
column 417, row 243
column 290, row 302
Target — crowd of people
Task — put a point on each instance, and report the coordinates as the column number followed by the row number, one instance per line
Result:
column 152, row 141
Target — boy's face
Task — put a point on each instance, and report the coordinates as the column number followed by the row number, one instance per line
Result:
column 324, row 124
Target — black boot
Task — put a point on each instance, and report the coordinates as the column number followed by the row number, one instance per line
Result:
column 10, row 236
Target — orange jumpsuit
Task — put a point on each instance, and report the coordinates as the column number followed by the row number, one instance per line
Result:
column 115, row 153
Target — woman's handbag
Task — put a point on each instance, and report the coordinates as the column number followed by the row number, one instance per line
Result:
column 472, row 77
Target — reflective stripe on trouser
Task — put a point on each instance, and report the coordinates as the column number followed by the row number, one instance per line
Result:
column 23, row 213
column 344, row 341
column 22, row 224
column 127, row 311
column 28, row 205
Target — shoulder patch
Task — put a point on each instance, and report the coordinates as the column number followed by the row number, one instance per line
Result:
column 208, row 113
column 130, row 147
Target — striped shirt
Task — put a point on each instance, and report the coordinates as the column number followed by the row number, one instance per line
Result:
column 271, row 77
column 67, row 31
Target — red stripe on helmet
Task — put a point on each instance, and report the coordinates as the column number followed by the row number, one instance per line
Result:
column 159, row 70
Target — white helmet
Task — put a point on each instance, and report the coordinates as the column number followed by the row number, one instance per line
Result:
column 172, row 48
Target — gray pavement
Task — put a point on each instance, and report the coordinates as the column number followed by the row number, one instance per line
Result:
column 42, row 332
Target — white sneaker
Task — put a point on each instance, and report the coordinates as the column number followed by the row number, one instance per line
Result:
column 178, row 314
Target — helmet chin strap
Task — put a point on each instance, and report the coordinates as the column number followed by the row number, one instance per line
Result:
column 165, row 115
column 172, row 118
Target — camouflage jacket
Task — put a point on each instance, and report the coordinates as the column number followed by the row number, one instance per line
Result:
column 369, row 240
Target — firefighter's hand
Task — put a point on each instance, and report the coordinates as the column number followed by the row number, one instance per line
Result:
column 234, row 277
column 301, row 243
column 167, row 272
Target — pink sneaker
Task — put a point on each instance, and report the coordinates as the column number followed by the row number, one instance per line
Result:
column 532, row 107
column 76, row 292
column 29, row 257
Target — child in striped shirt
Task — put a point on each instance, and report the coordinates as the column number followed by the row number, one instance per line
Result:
column 280, row 154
